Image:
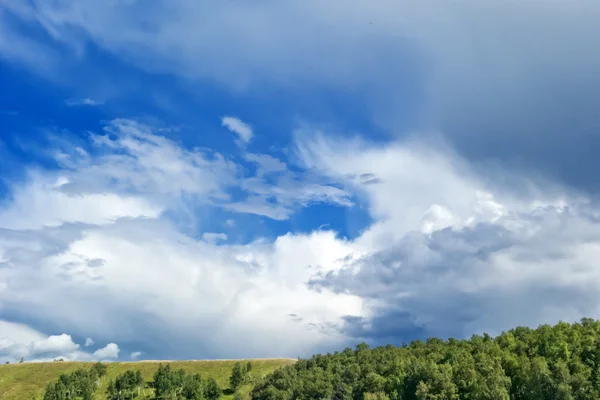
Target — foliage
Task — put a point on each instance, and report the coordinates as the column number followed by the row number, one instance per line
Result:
column 171, row 384
column 239, row 374
column 78, row 384
column 125, row 386
column 560, row 362
column 212, row 391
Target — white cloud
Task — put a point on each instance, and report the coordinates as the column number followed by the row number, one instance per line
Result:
column 136, row 355
column 212, row 237
column 240, row 128
column 110, row 351
column 266, row 163
column 147, row 173
column 20, row 341
column 54, row 344
column 89, row 342
column 43, row 203
column 135, row 277
column 86, row 101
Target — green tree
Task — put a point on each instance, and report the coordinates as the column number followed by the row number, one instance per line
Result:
column 238, row 375
column 126, row 385
column 212, row 391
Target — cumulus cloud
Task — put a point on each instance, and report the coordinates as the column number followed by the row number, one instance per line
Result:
column 123, row 274
column 454, row 253
column 89, row 342
column 240, row 128
column 20, row 341
column 110, row 351
column 136, row 355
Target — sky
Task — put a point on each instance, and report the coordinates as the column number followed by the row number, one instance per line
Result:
column 197, row 180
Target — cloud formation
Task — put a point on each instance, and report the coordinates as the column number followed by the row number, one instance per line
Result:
column 110, row 351
column 17, row 341
column 451, row 251
column 113, row 263
column 240, row 128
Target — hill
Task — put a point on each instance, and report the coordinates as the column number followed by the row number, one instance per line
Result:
column 24, row 381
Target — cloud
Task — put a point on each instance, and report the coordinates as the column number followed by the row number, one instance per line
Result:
column 512, row 91
column 125, row 274
column 89, row 342
column 86, row 101
column 453, row 250
column 240, row 128
column 147, row 174
column 111, row 350
column 136, row 355
column 20, row 341
column 454, row 253
column 213, row 237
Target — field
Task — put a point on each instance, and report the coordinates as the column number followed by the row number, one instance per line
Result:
column 28, row 380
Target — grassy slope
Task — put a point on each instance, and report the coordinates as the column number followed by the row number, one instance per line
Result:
column 23, row 381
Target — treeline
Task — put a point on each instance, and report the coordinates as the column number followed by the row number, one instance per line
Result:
column 167, row 384
column 78, row 384
column 560, row 362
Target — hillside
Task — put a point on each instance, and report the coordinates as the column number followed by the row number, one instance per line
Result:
column 560, row 362
column 23, row 381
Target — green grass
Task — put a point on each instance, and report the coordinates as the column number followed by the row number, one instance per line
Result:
column 28, row 380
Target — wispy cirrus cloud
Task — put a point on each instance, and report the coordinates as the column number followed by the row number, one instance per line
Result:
column 148, row 174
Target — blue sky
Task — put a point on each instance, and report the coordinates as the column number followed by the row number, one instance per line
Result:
column 240, row 179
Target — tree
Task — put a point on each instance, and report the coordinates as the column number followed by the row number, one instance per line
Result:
column 212, row 391
column 98, row 370
column 237, row 377
column 192, row 387
column 126, row 385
